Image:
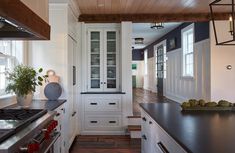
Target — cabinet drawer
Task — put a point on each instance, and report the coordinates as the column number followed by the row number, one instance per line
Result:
column 103, row 104
column 102, row 122
column 164, row 142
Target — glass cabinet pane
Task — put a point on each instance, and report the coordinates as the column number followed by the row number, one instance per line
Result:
column 111, row 60
column 95, row 59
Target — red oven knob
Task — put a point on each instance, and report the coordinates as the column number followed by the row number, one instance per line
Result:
column 31, row 148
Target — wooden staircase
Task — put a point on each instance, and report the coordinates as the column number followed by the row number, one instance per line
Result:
column 134, row 127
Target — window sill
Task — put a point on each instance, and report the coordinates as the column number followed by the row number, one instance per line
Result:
column 7, row 96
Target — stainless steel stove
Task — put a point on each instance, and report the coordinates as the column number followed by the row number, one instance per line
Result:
column 27, row 130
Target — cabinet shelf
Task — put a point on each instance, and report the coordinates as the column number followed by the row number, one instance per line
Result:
column 95, row 53
column 95, row 65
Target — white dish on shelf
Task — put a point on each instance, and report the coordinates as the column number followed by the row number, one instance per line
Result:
column 111, row 62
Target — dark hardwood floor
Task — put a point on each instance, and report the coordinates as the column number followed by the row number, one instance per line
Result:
column 105, row 144
column 144, row 96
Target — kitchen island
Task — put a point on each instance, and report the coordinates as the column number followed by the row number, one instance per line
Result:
column 193, row 132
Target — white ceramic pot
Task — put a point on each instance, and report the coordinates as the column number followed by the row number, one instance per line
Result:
column 24, row 101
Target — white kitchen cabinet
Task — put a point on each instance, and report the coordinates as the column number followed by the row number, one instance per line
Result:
column 59, row 146
column 103, row 58
column 155, row 139
column 102, row 114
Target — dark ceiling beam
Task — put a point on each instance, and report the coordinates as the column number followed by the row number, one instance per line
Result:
column 146, row 18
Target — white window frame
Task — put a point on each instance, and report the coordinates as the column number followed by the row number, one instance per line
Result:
column 16, row 56
column 185, row 53
column 146, row 62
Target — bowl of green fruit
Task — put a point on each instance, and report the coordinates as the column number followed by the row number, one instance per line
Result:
column 202, row 105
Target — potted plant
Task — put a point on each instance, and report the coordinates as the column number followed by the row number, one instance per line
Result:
column 23, row 81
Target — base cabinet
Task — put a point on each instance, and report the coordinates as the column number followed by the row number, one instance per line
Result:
column 102, row 114
column 155, row 139
column 59, row 146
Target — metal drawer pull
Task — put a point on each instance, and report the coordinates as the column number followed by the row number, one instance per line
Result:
column 112, row 121
column 93, row 103
column 74, row 113
column 144, row 119
column 112, row 103
column 144, row 137
column 94, row 121
column 162, row 147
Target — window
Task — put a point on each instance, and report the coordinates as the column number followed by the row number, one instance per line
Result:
column 188, row 49
column 146, row 62
column 11, row 54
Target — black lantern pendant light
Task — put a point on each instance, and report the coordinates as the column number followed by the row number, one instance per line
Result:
column 157, row 26
column 231, row 24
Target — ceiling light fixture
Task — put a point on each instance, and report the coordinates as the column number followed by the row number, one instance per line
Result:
column 139, row 40
column 231, row 23
column 157, row 25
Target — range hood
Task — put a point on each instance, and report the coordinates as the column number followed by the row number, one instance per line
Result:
column 18, row 22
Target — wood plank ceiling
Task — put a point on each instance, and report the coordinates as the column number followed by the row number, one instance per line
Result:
column 104, row 8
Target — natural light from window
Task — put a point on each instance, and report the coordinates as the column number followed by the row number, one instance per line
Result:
column 188, row 49
column 146, row 62
column 11, row 54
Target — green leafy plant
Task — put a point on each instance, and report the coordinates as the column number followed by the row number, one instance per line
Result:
column 23, row 80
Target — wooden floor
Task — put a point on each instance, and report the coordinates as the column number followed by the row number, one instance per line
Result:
column 143, row 96
column 106, row 144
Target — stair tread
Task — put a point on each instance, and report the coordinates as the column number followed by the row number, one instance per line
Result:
column 134, row 128
column 134, row 116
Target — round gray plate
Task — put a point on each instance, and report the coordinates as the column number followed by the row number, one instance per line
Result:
column 53, row 91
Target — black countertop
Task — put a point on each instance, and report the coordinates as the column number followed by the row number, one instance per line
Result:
column 196, row 132
column 118, row 92
column 43, row 104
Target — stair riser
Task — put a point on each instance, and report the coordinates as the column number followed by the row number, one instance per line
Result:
column 134, row 121
column 135, row 134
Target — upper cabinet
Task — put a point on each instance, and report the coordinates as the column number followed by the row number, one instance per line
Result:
column 40, row 7
column 103, row 59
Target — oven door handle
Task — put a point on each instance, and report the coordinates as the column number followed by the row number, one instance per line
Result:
column 51, row 143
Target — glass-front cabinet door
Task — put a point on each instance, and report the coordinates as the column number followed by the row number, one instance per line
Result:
column 111, row 60
column 103, row 60
column 95, row 66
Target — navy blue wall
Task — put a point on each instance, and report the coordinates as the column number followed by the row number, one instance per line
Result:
column 137, row 55
column 201, row 32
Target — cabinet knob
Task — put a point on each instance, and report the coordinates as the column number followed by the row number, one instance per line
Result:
column 101, row 82
column 150, row 122
column 144, row 137
column 104, row 82
column 144, row 119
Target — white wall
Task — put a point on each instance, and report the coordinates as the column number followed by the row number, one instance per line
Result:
column 51, row 54
column 139, row 73
column 181, row 89
column 222, row 80
column 126, row 61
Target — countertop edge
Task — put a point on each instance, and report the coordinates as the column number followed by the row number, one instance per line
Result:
column 84, row 93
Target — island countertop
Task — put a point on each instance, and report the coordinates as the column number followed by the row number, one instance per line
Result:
column 196, row 132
